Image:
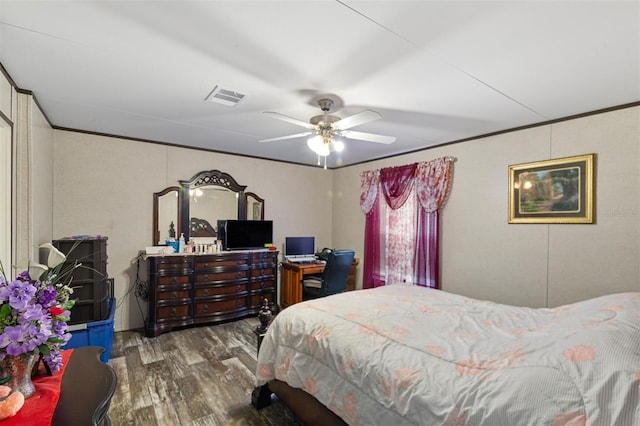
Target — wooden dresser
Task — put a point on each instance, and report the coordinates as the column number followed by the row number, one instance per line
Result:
column 188, row 289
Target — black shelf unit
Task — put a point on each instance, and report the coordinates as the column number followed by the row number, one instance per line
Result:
column 91, row 285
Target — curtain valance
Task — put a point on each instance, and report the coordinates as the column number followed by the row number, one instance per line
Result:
column 432, row 180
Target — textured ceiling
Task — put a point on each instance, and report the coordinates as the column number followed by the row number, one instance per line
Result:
column 436, row 71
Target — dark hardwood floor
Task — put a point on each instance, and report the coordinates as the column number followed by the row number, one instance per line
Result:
column 197, row 376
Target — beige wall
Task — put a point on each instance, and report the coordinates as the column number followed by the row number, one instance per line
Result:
column 533, row 265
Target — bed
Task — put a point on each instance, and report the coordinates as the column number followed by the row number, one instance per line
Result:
column 403, row 354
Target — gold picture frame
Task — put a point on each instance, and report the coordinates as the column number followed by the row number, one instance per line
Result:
column 553, row 191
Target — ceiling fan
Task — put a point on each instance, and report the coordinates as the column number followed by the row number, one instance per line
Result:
column 329, row 128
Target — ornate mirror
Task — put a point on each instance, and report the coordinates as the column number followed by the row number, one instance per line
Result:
column 208, row 197
column 166, row 215
column 255, row 206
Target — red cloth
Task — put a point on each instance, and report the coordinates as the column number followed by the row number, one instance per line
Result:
column 38, row 409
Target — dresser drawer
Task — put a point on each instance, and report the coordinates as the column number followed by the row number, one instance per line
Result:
column 269, row 270
column 220, row 290
column 212, row 277
column 174, row 312
column 265, row 256
column 173, row 280
column 262, row 285
column 218, row 307
column 173, row 295
column 170, row 263
column 220, row 263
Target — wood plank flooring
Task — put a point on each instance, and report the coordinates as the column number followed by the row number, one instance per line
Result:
column 197, row 376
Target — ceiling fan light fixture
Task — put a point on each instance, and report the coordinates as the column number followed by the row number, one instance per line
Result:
column 317, row 145
column 328, row 130
column 314, row 143
column 324, row 150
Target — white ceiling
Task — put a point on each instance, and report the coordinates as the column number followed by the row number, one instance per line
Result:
column 437, row 71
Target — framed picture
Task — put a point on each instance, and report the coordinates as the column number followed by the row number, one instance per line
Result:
column 552, row 191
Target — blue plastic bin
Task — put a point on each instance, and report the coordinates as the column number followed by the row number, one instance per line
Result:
column 95, row 333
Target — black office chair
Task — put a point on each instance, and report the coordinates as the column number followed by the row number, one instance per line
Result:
column 332, row 280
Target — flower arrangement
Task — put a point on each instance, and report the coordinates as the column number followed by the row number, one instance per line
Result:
column 35, row 309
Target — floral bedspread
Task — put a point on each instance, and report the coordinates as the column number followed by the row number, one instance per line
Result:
column 402, row 354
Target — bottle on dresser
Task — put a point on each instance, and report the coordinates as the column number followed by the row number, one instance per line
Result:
column 181, row 244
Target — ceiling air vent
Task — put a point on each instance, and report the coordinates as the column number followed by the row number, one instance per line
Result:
column 224, row 96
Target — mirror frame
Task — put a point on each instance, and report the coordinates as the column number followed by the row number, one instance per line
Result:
column 208, row 178
column 156, row 201
column 258, row 199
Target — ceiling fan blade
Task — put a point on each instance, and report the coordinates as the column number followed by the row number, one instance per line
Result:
column 290, row 119
column 369, row 137
column 356, row 120
column 281, row 138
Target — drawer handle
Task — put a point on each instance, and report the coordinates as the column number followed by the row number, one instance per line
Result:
column 205, row 308
column 173, row 312
column 238, row 303
column 238, row 274
column 206, row 277
column 205, row 292
column 174, row 280
column 238, row 287
column 174, row 295
column 261, row 285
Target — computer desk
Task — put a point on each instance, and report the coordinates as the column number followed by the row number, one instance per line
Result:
column 293, row 273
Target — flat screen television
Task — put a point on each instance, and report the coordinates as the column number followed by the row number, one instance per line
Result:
column 299, row 246
column 245, row 234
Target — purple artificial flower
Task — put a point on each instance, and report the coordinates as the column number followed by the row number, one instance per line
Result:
column 24, row 277
column 13, row 340
column 59, row 328
column 10, row 333
column 47, row 296
column 40, row 331
column 20, row 294
column 32, row 313
column 54, row 360
column 36, row 318
column 35, row 333
column 66, row 337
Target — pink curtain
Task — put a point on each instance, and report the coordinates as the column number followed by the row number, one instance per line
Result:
column 432, row 188
column 369, row 183
column 396, row 184
column 430, row 183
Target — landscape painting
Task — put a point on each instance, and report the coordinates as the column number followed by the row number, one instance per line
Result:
column 552, row 191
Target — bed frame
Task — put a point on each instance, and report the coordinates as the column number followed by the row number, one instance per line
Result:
column 304, row 406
